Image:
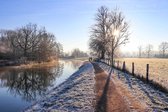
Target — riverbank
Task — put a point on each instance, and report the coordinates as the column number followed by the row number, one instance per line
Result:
column 75, row 94
column 93, row 89
column 90, row 89
column 30, row 65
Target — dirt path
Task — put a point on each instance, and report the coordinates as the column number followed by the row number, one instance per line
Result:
column 134, row 104
column 108, row 98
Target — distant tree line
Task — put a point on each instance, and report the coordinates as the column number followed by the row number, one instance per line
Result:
column 149, row 51
column 30, row 43
column 75, row 53
column 109, row 32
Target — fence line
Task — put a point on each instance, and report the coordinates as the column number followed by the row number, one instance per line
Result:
column 122, row 67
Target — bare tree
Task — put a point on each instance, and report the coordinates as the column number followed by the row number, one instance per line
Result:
column 31, row 42
column 149, row 49
column 140, row 51
column 118, row 33
column 47, row 48
column 109, row 32
column 60, row 52
column 28, row 37
column 76, row 53
column 99, row 31
column 24, row 39
column 7, row 38
column 163, row 47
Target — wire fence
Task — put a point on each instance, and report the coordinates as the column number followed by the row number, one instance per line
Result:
column 146, row 72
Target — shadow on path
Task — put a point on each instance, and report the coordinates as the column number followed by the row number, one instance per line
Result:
column 101, row 105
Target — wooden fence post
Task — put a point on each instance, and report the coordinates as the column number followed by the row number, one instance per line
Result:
column 133, row 68
column 123, row 66
column 147, row 72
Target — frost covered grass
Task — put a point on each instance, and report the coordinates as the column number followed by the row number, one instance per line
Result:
column 76, row 94
column 154, row 98
column 158, row 68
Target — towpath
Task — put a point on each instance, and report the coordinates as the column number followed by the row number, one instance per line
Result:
column 109, row 96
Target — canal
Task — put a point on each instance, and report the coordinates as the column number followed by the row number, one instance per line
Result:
column 19, row 88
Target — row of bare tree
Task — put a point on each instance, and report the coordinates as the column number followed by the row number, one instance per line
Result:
column 75, row 53
column 109, row 32
column 163, row 51
column 29, row 42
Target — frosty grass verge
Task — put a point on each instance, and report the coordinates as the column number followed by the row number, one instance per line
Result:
column 155, row 99
column 76, row 94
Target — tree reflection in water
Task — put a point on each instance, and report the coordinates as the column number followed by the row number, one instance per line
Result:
column 30, row 84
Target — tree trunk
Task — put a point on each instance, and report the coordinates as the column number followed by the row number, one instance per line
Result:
column 102, row 55
column 112, row 58
column 25, row 53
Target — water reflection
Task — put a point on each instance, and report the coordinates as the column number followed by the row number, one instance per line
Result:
column 19, row 88
column 30, row 84
column 74, row 64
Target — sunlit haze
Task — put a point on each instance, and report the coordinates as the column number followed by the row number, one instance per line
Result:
column 70, row 20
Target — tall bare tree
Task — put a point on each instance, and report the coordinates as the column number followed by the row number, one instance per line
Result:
column 149, row 49
column 163, row 48
column 47, row 47
column 28, row 37
column 109, row 32
column 98, row 40
column 118, row 33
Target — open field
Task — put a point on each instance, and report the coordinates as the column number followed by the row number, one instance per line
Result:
column 158, row 68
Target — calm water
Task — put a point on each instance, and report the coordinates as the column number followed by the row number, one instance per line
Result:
column 20, row 88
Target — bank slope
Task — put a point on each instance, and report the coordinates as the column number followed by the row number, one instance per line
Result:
column 76, row 94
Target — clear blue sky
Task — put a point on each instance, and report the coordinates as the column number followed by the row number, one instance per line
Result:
column 70, row 20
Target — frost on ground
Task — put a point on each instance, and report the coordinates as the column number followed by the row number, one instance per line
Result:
column 156, row 100
column 76, row 94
